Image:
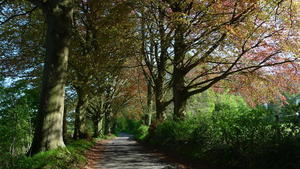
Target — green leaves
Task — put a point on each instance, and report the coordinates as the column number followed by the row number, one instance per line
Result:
column 18, row 107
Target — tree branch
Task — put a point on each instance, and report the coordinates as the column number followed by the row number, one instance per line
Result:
column 217, row 79
column 18, row 15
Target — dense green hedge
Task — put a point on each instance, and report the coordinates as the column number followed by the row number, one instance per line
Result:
column 231, row 135
column 242, row 139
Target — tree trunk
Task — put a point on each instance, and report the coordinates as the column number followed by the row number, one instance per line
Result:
column 80, row 130
column 179, row 90
column 161, row 73
column 179, row 103
column 149, row 104
column 76, row 123
column 83, row 133
column 107, row 123
column 160, row 103
column 160, row 108
column 97, row 127
column 65, row 125
column 49, row 129
column 159, row 92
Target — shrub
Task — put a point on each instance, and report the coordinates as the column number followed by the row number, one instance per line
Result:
column 234, row 139
column 141, row 133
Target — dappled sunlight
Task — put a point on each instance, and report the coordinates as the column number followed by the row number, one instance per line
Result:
column 125, row 153
column 149, row 84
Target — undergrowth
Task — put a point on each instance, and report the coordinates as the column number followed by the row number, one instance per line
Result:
column 226, row 139
column 70, row 157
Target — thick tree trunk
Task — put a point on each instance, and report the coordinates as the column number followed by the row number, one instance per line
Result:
column 49, row 129
column 179, row 92
column 179, row 103
column 160, row 107
column 80, row 130
column 97, row 127
column 161, row 73
column 107, row 123
column 159, row 93
column 83, row 133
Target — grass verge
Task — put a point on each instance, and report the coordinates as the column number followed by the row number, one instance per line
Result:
column 70, row 157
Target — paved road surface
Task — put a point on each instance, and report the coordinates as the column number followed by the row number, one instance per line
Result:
column 125, row 153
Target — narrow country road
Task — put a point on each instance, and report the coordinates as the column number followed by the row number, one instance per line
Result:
column 125, row 153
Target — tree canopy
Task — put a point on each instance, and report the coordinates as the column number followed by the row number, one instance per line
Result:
column 96, row 62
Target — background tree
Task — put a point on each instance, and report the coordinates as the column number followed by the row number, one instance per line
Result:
column 156, row 40
column 100, row 49
column 215, row 40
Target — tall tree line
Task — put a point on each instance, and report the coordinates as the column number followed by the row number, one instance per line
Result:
column 183, row 48
column 94, row 38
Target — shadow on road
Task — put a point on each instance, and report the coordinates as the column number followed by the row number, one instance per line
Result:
column 125, row 153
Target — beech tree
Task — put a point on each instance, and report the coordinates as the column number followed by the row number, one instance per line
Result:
column 214, row 40
column 58, row 16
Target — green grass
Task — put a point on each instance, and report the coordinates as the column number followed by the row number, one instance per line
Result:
column 70, row 157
